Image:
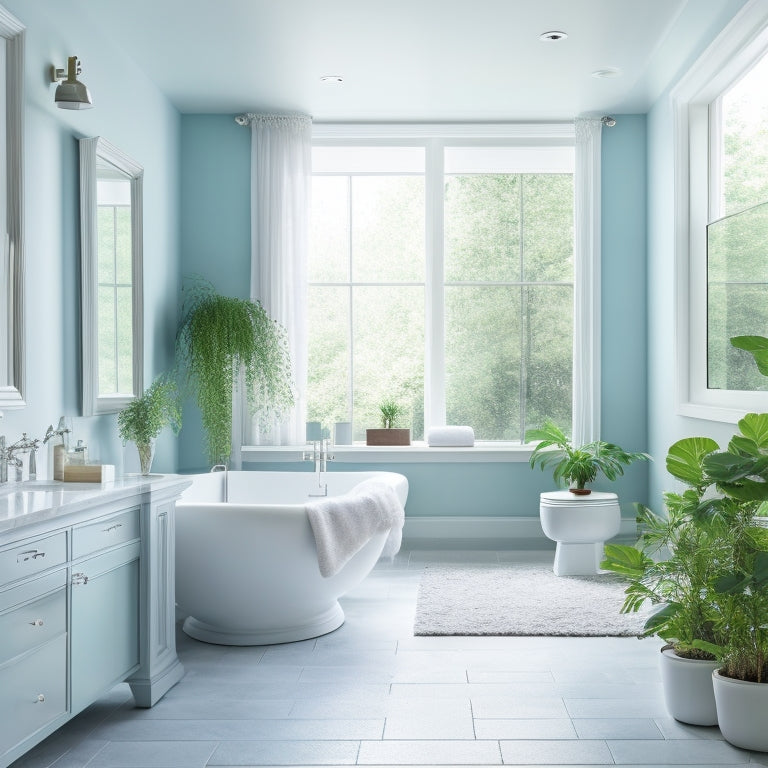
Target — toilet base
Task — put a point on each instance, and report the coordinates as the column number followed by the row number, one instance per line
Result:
column 581, row 559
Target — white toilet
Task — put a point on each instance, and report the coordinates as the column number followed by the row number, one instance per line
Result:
column 580, row 525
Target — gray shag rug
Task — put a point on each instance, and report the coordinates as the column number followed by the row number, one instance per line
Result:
column 522, row 600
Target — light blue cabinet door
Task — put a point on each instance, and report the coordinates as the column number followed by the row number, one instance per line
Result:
column 104, row 624
column 32, row 692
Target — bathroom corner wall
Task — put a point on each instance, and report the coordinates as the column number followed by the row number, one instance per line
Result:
column 131, row 113
column 215, row 224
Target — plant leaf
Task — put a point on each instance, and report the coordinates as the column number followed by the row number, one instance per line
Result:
column 685, row 457
column 754, row 426
column 731, row 584
column 757, row 346
column 625, row 560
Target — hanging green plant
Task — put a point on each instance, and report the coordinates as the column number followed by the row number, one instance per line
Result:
column 218, row 337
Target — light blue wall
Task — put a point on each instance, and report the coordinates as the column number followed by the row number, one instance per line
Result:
column 665, row 426
column 131, row 113
column 215, row 227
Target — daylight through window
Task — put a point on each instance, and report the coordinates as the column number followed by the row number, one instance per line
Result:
column 441, row 276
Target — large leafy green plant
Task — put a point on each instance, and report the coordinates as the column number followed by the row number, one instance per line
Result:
column 712, row 584
column 577, row 466
column 218, row 338
column 678, row 557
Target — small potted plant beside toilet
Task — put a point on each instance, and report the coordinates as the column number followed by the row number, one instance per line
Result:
column 578, row 519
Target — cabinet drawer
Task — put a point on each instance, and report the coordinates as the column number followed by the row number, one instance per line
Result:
column 33, row 556
column 32, row 624
column 106, row 532
column 33, row 692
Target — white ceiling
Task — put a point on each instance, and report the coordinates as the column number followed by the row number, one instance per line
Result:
column 408, row 60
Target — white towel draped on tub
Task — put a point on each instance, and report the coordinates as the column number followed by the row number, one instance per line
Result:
column 344, row 524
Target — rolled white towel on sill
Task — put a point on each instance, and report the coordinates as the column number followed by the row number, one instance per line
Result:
column 450, row 437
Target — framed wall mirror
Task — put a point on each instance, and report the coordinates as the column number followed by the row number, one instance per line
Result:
column 12, row 352
column 112, row 297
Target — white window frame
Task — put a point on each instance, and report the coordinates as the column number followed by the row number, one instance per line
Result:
column 732, row 53
column 434, row 138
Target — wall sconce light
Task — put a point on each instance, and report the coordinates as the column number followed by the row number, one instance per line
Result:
column 71, row 93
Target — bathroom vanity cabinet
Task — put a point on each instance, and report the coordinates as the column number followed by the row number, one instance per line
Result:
column 86, row 601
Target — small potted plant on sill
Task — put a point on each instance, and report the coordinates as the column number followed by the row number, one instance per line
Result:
column 145, row 417
column 391, row 413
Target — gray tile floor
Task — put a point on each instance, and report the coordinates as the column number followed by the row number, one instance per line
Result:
column 373, row 694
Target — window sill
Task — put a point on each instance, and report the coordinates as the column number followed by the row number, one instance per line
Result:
column 418, row 452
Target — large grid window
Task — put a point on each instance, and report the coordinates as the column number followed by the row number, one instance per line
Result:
column 442, row 277
column 721, row 181
column 737, row 264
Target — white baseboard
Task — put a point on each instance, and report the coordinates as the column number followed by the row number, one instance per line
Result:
column 455, row 529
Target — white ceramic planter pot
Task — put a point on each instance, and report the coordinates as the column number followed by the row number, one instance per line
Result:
column 742, row 712
column 687, row 685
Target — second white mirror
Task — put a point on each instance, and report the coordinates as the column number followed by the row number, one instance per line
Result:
column 111, row 231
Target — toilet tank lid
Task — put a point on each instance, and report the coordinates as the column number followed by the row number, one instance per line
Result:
column 563, row 497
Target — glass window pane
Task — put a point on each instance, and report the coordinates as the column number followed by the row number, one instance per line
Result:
column 123, row 250
column 548, row 352
column 388, row 348
column 105, row 225
column 106, row 334
column 548, row 227
column 482, row 227
column 329, row 233
column 483, row 374
column 735, row 309
column 124, row 334
column 329, row 355
column 387, row 228
column 745, row 141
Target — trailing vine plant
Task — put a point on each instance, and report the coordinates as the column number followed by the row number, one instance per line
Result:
column 218, row 337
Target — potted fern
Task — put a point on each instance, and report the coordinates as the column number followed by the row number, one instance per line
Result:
column 220, row 337
column 145, row 417
column 577, row 466
column 391, row 413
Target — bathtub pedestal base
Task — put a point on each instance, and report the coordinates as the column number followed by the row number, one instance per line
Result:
column 326, row 622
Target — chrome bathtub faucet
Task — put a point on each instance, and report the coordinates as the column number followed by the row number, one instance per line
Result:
column 320, row 455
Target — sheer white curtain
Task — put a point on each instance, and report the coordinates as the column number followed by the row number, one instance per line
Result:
column 586, row 326
column 281, row 160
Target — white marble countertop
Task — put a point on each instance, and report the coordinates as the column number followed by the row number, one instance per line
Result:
column 27, row 503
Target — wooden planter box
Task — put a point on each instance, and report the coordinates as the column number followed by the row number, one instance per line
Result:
column 387, row 436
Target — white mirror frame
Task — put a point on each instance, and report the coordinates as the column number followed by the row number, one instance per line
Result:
column 13, row 31
column 90, row 149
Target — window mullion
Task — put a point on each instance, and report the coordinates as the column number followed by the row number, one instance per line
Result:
column 434, row 358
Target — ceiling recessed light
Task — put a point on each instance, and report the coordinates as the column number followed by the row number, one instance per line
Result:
column 332, row 79
column 608, row 72
column 553, row 36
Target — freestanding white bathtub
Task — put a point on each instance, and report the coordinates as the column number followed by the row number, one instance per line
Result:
column 246, row 563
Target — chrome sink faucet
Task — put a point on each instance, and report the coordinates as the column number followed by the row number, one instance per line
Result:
column 320, row 455
column 22, row 445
